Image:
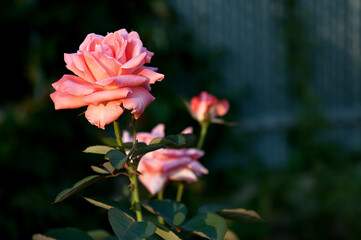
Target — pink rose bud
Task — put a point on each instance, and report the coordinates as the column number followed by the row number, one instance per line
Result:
column 206, row 107
column 163, row 165
column 110, row 77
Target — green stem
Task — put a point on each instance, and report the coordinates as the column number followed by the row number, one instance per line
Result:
column 160, row 197
column 204, row 128
column 160, row 194
column 134, row 179
column 134, row 130
column 117, row 135
column 135, row 193
column 180, row 191
column 131, row 171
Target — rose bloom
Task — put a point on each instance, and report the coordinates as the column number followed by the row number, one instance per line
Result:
column 162, row 165
column 110, row 77
column 206, row 107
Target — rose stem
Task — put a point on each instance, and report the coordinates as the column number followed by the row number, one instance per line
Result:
column 204, row 128
column 180, row 191
column 117, row 135
column 134, row 130
column 160, row 197
column 135, row 193
column 131, row 170
column 133, row 178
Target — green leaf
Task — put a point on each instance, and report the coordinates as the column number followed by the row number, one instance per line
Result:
column 39, row 236
column 176, row 141
column 122, row 205
column 116, row 158
column 171, row 141
column 148, row 148
column 209, row 224
column 230, row 235
column 98, row 149
column 110, row 141
column 240, row 214
column 68, row 234
column 236, row 214
column 108, row 166
column 172, row 211
column 99, row 203
column 98, row 234
column 129, row 145
column 167, row 234
column 126, row 228
column 99, row 170
column 78, row 186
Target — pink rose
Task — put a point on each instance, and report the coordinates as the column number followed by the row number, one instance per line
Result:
column 206, row 107
column 162, row 165
column 110, row 77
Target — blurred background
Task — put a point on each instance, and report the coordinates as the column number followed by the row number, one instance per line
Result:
column 290, row 69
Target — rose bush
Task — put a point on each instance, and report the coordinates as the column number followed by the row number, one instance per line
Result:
column 110, row 77
column 206, row 107
column 162, row 165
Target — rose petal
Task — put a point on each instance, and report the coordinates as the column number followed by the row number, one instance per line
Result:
column 172, row 153
column 126, row 137
column 147, row 87
column 107, row 50
column 107, row 95
column 123, row 81
column 150, row 74
column 149, row 163
column 74, row 85
column 66, row 101
column 133, row 35
column 222, row 107
column 201, row 104
column 138, row 101
column 199, row 108
column 90, row 41
column 183, row 174
column 97, row 69
column 76, row 64
column 69, row 60
column 188, row 130
column 107, row 82
column 144, row 137
column 198, row 168
column 153, row 182
column 122, row 32
column 149, row 55
column 176, row 163
column 134, row 48
column 118, row 44
column 104, row 114
column 158, row 131
column 194, row 153
column 107, row 64
column 133, row 64
column 130, row 80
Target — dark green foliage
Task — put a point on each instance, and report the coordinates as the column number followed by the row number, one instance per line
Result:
column 315, row 196
column 173, row 212
column 78, row 186
column 209, row 224
column 126, row 228
column 68, row 234
column 42, row 147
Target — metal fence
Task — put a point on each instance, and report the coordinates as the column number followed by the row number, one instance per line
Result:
column 250, row 30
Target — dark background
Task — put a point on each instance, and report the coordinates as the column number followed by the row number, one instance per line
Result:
column 314, row 194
